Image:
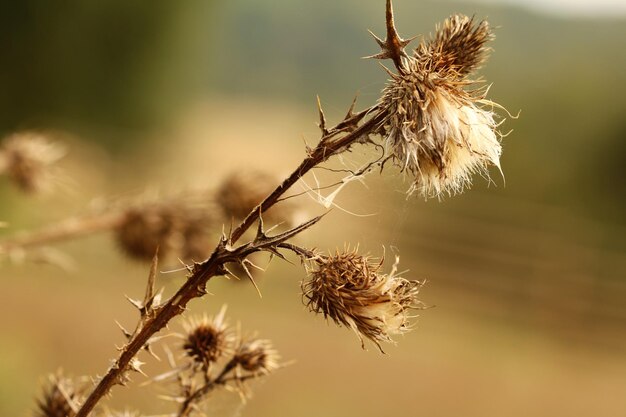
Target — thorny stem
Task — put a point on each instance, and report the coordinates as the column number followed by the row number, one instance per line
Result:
column 320, row 154
column 331, row 143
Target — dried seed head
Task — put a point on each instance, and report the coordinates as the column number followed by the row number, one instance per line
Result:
column 58, row 399
column 27, row 159
column 348, row 288
column 436, row 128
column 144, row 230
column 207, row 339
column 179, row 227
column 458, row 47
column 257, row 356
column 242, row 191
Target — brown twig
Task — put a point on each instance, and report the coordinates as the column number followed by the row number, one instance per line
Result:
column 69, row 228
column 187, row 406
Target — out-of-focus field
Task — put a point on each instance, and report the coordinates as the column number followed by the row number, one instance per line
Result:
column 526, row 278
column 520, row 324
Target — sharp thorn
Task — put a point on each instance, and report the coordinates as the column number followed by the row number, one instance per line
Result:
column 250, row 277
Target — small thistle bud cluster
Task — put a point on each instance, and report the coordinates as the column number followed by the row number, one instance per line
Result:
column 207, row 340
column 256, row 356
column 185, row 226
column 217, row 357
column 27, row 159
column 349, row 289
column 436, row 127
column 182, row 227
column 59, row 398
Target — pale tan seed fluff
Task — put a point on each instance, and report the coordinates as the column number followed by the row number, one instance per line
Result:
column 349, row 289
column 437, row 127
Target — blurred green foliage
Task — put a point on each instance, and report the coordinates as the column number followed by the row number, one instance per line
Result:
column 89, row 66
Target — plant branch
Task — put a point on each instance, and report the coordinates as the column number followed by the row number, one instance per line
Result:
column 335, row 141
column 67, row 229
column 187, row 406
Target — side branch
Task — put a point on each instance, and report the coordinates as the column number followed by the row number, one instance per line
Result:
column 67, row 229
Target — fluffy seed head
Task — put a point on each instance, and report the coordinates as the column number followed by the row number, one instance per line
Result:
column 349, row 289
column 257, row 356
column 207, row 339
column 58, row 398
column 437, row 128
column 27, row 159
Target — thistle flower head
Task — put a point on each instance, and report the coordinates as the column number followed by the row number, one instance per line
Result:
column 256, row 356
column 349, row 289
column 58, row 399
column 437, row 128
column 207, row 339
column 242, row 191
column 27, row 159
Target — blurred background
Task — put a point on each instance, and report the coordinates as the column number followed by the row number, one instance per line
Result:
column 527, row 280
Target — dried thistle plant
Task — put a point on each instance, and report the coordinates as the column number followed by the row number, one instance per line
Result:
column 436, row 128
column 241, row 191
column 60, row 397
column 349, row 289
column 183, row 225
column 28, row 159
column 215, row 357
column 429, row 122
column 207, row 340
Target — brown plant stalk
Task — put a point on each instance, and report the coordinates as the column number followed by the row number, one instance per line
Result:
column 64, row 230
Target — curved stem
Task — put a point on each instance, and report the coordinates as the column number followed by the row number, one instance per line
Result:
column 187, row 406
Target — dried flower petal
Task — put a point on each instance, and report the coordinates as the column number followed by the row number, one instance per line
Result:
column 348, row 288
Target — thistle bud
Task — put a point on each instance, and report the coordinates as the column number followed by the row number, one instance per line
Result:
column 58, row 398
column 180, row 227
column 436, row 128
column 27, row 158
column 207, row 339
column 243, row 191
column 348, row 289
column 256, row 356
